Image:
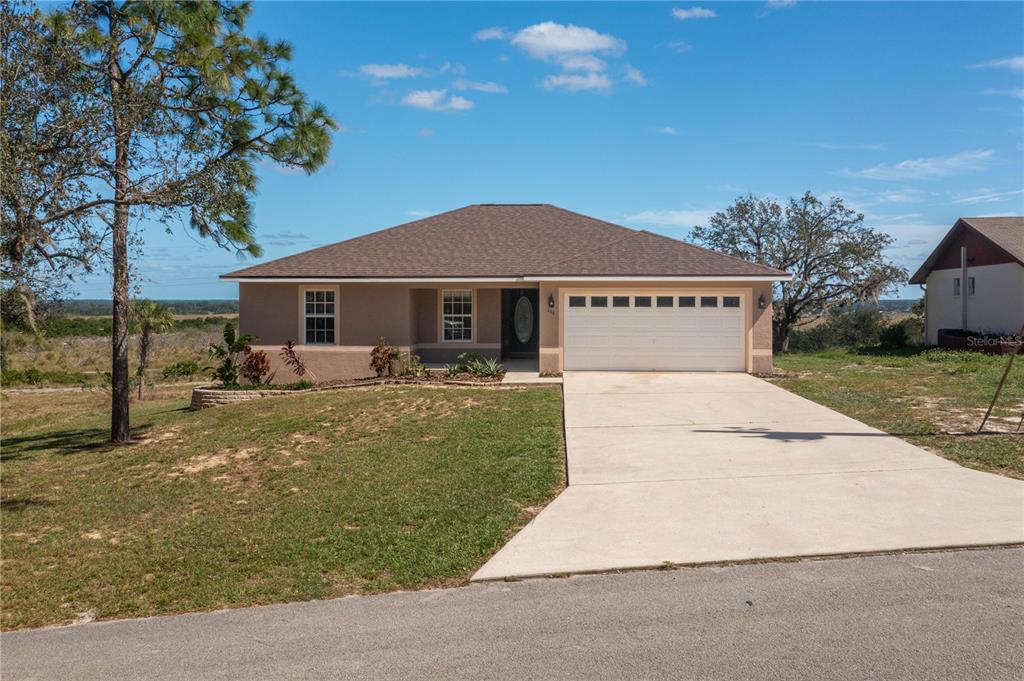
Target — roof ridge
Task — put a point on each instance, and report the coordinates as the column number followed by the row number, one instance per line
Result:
column 712, row 251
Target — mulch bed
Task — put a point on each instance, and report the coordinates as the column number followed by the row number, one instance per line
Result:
column 434, row 378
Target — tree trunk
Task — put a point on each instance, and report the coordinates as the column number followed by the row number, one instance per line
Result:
column 120, row 429
column 119, row 420
column 143, row 359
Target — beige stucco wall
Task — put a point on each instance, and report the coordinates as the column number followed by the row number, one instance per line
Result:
column 410, row 318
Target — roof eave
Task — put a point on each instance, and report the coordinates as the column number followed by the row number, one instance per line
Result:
column 503, row 278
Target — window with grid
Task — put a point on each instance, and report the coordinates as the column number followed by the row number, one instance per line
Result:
column 457, row 315
column 319, row 317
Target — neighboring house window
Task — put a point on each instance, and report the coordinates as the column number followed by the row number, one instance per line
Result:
column 956, row 286
column 457, row 315
column 970, row 286
column 320, row 317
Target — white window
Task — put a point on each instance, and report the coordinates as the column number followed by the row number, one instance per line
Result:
column 319, row 323
column 970, row 286
column 457, row 315
column 956, row 286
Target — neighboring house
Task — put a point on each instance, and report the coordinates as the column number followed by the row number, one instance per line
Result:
column 974, row 279
column 514, row 281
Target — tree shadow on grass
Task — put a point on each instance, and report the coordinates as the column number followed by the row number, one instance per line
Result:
column 15, row 504
column 66, row 442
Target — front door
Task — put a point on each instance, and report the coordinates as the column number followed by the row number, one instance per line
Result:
column 519, row 323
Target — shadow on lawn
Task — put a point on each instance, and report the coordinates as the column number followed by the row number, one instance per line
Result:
column 14, row 504
column 66, row 442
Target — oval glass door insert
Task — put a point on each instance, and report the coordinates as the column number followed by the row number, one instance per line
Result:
column 523, row 319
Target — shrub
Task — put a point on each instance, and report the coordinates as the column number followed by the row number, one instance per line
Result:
column 185, row 369
column 411, row 365
column 293, row 360
column 854, row 327
column 227, row 370
column 382, row 358
column 256, row 367
column 812, row 339
column 477, row 364
column 452, row 370
column 893, row 336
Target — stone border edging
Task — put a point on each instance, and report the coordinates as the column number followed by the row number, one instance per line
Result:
column 206, row 396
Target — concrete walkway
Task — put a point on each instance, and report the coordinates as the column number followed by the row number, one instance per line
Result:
column 696, row 468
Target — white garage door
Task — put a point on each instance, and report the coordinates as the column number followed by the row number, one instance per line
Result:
column 656, row 332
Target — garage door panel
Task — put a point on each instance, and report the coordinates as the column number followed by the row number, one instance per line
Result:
column 655, row 338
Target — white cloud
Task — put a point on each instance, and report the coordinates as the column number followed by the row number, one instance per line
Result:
column 492, row 33
column 1015, row 92
column 1012, row 63
column 436, row 100
column 576, row 83
column 489, row 86
column 935, row 166
column 425, row 132
column 671, row 218
column 990, row 197
column 549, row 40
column 582, row 62
column 693, row 13
column 635, row 76
column 388, row 71
column 667, row 130
column 779, row 4
column 680, row 46
column 419, row 213
column 900, row 196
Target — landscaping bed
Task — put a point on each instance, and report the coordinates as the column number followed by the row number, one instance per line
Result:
column 932, row 398
column 326, row 494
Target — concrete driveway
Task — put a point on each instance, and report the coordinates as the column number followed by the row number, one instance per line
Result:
column 696, row 468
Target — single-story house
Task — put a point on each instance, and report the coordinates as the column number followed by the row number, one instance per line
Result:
column 531, row 282
column 974, row 279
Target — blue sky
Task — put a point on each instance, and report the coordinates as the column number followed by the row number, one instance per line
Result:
column 649, row 115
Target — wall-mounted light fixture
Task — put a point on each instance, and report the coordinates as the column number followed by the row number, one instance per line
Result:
column 551, row 301
column 762, row 302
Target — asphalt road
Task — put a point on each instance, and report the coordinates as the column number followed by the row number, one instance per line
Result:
column 955, row 615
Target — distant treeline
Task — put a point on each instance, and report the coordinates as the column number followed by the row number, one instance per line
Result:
column 63, row 326
column 104, row 308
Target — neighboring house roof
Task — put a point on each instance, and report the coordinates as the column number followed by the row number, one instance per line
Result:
column 506, row 240
column 1007, row 233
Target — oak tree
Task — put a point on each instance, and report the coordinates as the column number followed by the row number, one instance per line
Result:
column 834, row 258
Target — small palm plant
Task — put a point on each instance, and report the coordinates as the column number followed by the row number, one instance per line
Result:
column 227, row 354
column 149, row 318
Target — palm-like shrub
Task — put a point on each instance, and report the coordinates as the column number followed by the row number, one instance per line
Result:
column 226, row 369
column 149, row 318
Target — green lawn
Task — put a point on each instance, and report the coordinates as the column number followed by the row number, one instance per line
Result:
column 934, row 399
column 289, row 498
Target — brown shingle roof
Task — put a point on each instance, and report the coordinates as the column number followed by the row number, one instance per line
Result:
column 1005, row 232
column 506, row 240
